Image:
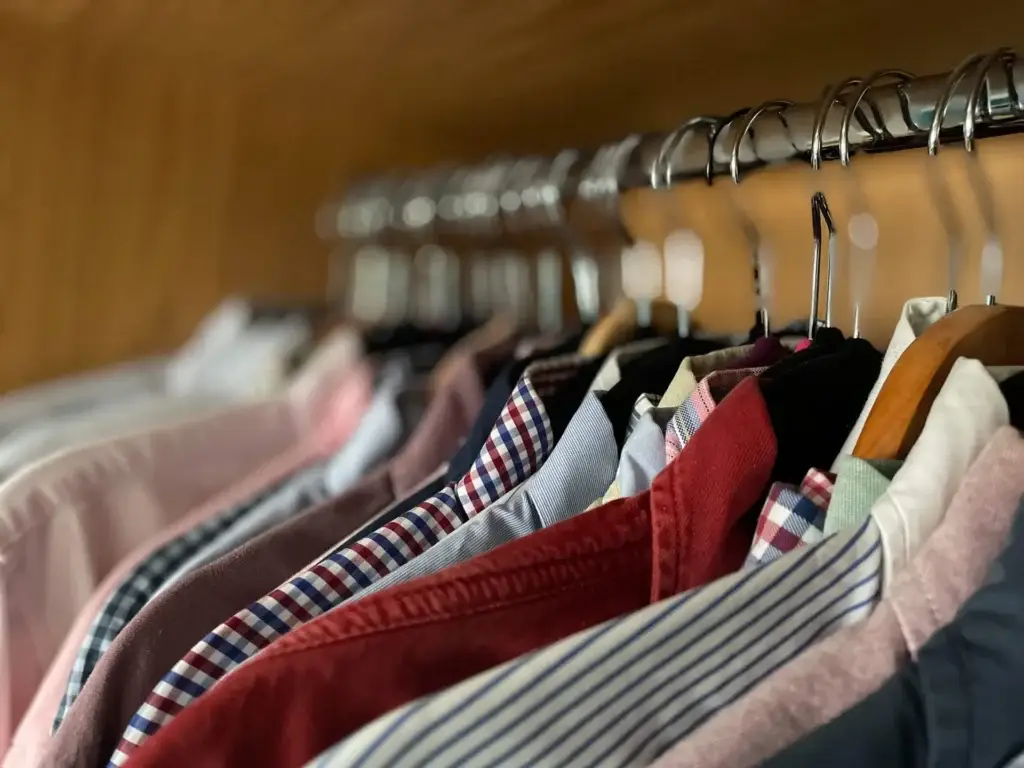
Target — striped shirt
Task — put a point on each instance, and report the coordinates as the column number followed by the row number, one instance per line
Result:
column 695, row 410
column 519, row 442
column 623, row 692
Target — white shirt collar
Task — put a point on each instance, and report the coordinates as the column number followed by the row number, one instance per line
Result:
column 917, row 316
column 965, row 415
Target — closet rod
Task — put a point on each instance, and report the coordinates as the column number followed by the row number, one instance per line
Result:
column 891, row 116
column 898, row 114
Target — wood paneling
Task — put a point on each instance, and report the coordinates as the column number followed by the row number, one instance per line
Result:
column 157, row 155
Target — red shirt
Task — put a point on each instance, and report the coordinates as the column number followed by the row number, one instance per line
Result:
column 328, row 678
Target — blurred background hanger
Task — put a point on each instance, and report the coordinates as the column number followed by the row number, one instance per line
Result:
column 762, row 260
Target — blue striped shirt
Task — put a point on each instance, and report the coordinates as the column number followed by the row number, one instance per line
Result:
column 623, row 692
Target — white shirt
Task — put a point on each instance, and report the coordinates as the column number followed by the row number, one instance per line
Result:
column 918, row 315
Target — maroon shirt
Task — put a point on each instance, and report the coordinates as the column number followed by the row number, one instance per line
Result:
column 330, row 677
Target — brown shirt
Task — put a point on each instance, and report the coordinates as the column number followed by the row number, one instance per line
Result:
column 169, row 625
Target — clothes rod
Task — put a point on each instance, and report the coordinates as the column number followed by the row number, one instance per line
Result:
column 899, row 114
column 891, row 116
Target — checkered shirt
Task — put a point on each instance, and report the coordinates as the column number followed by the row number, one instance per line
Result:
column 791, row 517
column 695, row 410
column 519, row 442
column 144, row 581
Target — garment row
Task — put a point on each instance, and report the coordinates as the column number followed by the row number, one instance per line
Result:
column 469, row 547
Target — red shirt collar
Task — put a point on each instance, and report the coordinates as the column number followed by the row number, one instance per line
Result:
column 703, row 506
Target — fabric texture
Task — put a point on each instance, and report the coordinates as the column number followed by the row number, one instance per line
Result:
column 261, row 352
column 859, row 484
column 696, row 367
column 642, row 457
column 792, row 517
column 580, row 465
column 695, row 410
column 378, row 433
column 170, row 624
column 693, row 526
column 67, row 522
column 521, row 596
column 842, row 670
column 958, row 704
column 916, row 317
column 620, row 693
column 517, row 445
column 610, row 372
column 118, row 594
column 623, row 693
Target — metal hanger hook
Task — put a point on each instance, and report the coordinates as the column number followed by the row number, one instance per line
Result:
column 832, row 95
column 820, row 211
column 759, row 259
column 992, row 252
column 940, row 194
column 776, row 106
column 844, row 127
column 863, row 228
column 661, row 170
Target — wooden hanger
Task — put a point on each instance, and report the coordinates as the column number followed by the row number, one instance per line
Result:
column 992, row 334
column 619, row 326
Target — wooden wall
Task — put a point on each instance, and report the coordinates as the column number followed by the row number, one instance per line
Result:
column 157, row 156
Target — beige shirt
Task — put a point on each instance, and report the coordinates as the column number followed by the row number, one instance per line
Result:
column 925, row 595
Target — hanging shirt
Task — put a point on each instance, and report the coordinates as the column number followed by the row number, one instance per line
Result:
column 168, row 626
column 579, row 466
column 859, row 484
column 378, row 434
column 622, row 693
column 250, row 364
column 958, row 705
column 692, row 526
column 643, row 454
column 517, row 445
column 917, row 316
column 844, row 669
column 695, row 410
column 146, row 379
column 792, row 517
column 67, row 522
column 139, row 586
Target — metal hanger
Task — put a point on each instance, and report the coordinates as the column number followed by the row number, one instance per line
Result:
column 683, row 250
column 760, row 256
column 862, row 226
column 992, row 251
column 948, row 215
column 819, row 212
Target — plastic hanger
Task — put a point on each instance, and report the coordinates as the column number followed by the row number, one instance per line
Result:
column 992, row 334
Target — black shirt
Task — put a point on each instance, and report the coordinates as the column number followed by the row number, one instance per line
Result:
column 651, row 371
column 814, row 399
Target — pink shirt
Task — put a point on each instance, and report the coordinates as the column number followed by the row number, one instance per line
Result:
column 839, row 672
column 73, row 525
